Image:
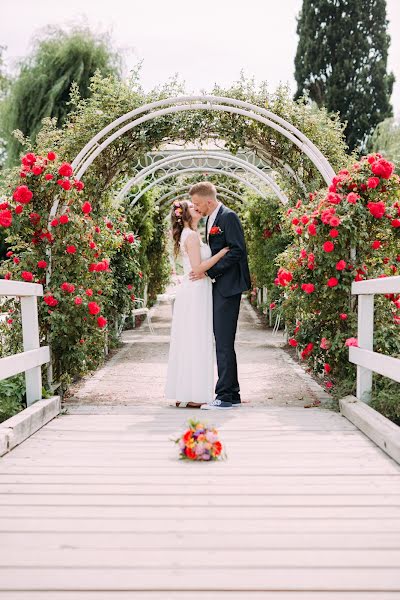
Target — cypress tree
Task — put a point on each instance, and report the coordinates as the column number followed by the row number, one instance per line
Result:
column 43, row 85
column 341, row 62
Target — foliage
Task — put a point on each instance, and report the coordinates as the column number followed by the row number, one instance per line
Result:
column 349, row 232
column 265, row 238
column 12, row 393
column 73, row 255
column 341, row 62
column 386, row 140
column 43, row 85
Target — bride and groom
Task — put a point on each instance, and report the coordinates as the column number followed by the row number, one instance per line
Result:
column 207, row 301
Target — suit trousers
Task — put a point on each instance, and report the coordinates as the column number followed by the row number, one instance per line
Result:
column 225, row 316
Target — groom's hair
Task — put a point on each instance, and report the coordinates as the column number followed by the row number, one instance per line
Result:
column 204, row 188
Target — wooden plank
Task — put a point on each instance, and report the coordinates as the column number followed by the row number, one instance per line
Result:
column 82, row 496
column 18, row 363
column 204, row 595
column 384, row 285
column 84, row 508
column 153, row 558
column 20, row 288
column 388, row 366
column 234, row 578
column 52, row 521
column 168, row 540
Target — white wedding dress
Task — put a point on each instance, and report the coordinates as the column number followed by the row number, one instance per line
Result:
column 190, row 376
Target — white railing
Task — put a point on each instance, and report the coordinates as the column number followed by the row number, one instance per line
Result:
column 368, row 361
column 33, row 357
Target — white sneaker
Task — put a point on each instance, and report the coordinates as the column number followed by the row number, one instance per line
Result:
column 217, row 405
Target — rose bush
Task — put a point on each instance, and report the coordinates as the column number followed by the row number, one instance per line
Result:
column 346, row 233
column 71, row 253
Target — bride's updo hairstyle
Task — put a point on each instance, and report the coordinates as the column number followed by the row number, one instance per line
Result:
column 180, row 216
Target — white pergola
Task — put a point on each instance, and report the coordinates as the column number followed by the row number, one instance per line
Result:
column 208, row 160
column 178, row 104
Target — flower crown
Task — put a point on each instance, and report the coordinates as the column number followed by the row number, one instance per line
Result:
column 178, row 211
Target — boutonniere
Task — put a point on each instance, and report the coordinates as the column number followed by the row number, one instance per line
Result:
column 215, row 230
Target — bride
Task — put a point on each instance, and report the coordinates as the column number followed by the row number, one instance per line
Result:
column 190, row 376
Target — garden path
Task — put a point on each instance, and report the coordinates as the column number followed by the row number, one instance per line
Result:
column 96, row 506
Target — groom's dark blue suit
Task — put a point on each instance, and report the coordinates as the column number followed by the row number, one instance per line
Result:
column 232, row 277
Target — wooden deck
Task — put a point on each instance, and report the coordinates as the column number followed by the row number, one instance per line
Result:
column 98, row 506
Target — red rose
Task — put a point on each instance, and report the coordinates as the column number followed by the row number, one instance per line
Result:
column 89, row 292
column 65, row 184
column 215, row 230
column 86, row 208
column 9, row 253
column 65, row 170
column 395, row 223
column 329, row 246
column 335, row 221
column 67, row 287
column 292, row 342
column 50, row 300
column 352, row 198
column 351, row 342
column 130, row 238
column 343, row 316
column 377, row 209
column 51, row 155
column 5, row 218
column 299, row 230
column 333, row 198
column 78, row 300
column 79, row 185
column 383, row 168
column 312, row 230
column 27, row 276
column 92, row 245
column 16, row 260
column 64, row 219
column 333, row 233
column 22, row 194
column 93, row 308
column 376, row 244
column 308, row 288
column 71, row 249
column 341, row 265
column 36, row 170
column 295, row 221
column 42, row 264
column 101, row 321
column 332, row 282
column 19, row 209
column 305, row 219
column 327, row 368
column 54, row 223
column 4, row 205
column 34, row 218
column 373, row 182
column 48, row 176
column 29, row 159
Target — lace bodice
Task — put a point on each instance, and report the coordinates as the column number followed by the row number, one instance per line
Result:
column 205, row 251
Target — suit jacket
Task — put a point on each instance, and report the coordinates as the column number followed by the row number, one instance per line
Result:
column 231, row 273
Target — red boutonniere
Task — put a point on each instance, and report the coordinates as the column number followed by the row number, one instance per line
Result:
column 215, row 231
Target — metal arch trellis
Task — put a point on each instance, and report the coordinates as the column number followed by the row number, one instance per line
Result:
column 206, row 102
column 223, row 192
column 207, row 160
column 198, row 170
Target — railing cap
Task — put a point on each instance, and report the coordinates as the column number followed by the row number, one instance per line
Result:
column 20, row 288
column 383, row 285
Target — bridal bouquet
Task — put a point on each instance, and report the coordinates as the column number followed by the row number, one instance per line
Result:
column 199, row 442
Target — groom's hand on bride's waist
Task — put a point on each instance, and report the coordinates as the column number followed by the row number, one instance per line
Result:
column 194, row 277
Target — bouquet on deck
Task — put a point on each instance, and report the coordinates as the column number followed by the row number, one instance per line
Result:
column 200, row 442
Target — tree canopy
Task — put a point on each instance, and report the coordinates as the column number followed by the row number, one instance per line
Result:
column 341, row 62
column 42, row 87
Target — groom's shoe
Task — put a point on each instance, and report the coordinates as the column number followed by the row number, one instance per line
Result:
column 217, row 405
column 236, row 403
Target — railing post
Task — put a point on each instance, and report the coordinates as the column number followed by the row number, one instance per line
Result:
column 30, row 336
column 365, row 341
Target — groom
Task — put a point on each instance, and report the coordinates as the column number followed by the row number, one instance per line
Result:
column 230, row 277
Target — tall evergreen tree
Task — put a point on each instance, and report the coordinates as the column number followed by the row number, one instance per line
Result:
column 341, row 62
column 43, row 85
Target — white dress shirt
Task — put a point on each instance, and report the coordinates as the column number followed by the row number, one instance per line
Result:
column 212, row 217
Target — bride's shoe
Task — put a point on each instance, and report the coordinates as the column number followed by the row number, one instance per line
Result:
column 217, row 405
column 188, row 405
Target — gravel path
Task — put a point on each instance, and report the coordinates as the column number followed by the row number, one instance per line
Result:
column 135, row 374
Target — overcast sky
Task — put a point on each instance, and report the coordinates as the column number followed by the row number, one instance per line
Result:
column 204, row 42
